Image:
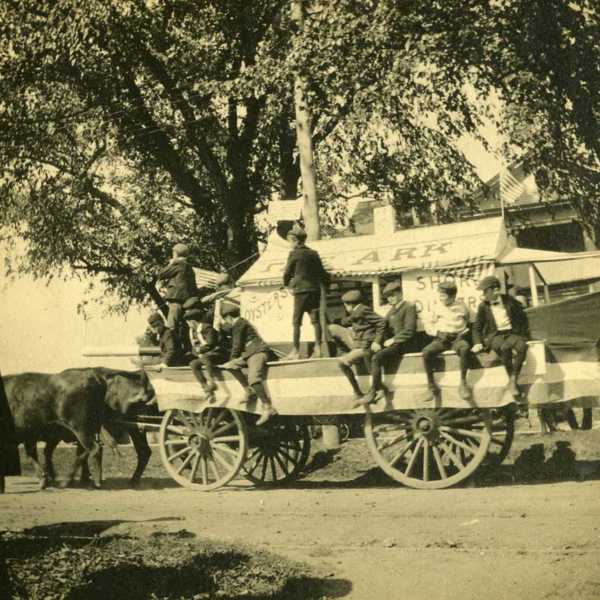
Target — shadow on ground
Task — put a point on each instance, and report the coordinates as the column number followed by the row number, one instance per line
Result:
column 69, row 560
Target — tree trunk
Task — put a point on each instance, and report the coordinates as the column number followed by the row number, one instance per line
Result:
column 304, row 140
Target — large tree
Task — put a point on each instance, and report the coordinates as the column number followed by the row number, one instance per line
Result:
column 126, row 125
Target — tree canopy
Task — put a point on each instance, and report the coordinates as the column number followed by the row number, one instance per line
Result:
column 128, row 125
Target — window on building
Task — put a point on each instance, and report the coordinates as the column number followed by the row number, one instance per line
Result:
column 562, row 237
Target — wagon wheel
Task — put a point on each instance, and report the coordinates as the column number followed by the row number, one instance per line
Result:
column 277, row 454
column 429, row 449
column 503, row 433
column 203, row 451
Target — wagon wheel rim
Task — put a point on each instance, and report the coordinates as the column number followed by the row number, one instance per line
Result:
column 503, row 433
column 429, row 449
column 277, row 454
column 203, row 451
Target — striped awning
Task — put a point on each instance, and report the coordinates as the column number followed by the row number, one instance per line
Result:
column 457, row 245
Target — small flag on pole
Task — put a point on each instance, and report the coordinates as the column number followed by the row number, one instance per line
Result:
column 510, row 187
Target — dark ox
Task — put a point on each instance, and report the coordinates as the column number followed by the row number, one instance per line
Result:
column 73, row 406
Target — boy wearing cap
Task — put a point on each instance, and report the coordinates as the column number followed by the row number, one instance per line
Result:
column 501, row 325
column 180, row 283
column 356, row 334
column 401, row 322
column 248, row 349
column 170, row 353
column 305, row 273
column 449, row 323
column 208, row 345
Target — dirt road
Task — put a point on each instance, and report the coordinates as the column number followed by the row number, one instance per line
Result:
column 374, row 541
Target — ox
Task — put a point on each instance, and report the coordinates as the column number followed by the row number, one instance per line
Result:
column 74, row 405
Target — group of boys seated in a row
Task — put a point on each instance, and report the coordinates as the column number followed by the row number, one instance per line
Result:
column 500, row 325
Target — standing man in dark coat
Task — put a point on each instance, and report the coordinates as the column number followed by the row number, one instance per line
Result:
column 501, row 325
column 304, row 273
column 249, row 350
column 401, row 323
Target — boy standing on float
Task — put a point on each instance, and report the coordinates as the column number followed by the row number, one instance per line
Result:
column 305, row 274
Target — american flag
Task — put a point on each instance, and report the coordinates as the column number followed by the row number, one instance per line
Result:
column 206, row 278
column 510, row 187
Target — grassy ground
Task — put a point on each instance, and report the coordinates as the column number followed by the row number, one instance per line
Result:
column 165, row 567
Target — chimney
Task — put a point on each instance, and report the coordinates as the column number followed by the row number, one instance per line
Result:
column 384, row 219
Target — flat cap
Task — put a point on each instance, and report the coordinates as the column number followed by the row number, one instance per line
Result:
column 155, row 317
column 488, row 282
column 228, row 308
column 352, row 296
column 448, row 286
column 181, row 249
column 297, row 231
column 390, row 288
column 193, row 314
column 193, row 302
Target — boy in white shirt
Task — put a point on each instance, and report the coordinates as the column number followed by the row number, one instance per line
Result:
column 449, row 322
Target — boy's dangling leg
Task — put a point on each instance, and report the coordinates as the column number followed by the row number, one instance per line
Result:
column 345, row 363
column 268, row 409
column 240, row 377
column 257, row 371
column 429, row 353
column 461, row 347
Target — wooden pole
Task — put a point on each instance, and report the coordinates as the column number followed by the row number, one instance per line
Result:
column 331, row 438
column 533, row 285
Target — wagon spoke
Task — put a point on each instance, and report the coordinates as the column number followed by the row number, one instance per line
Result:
column 282, row 464
column 453, row 457
column 462, row 445
column 186, row 420
column 273, row 468
column 223, row 428
column 439, row 462
column 204, row 470
column 479, row 435
column 401, row 453
column 175, row 442
column 185, row 462
column 467, row 420
column 214, row 469
column 413, row 457
column 264, row 468
column 179, row 453
column 195, row 466
column 425, row 460
column 207, row 416
column 176, row 430
column 394, row 440
column 221, row 459
column 224, row 448
column 226, row 438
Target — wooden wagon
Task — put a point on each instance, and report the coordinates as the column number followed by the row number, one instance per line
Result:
column 422, row 444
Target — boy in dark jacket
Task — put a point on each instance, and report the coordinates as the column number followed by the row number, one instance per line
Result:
column 358, row 330
column 209, row 346
column 305, row 273
column 170, row 347
column 501, row 325
column 180, row 283
column 401, row 322
column 249, row 350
